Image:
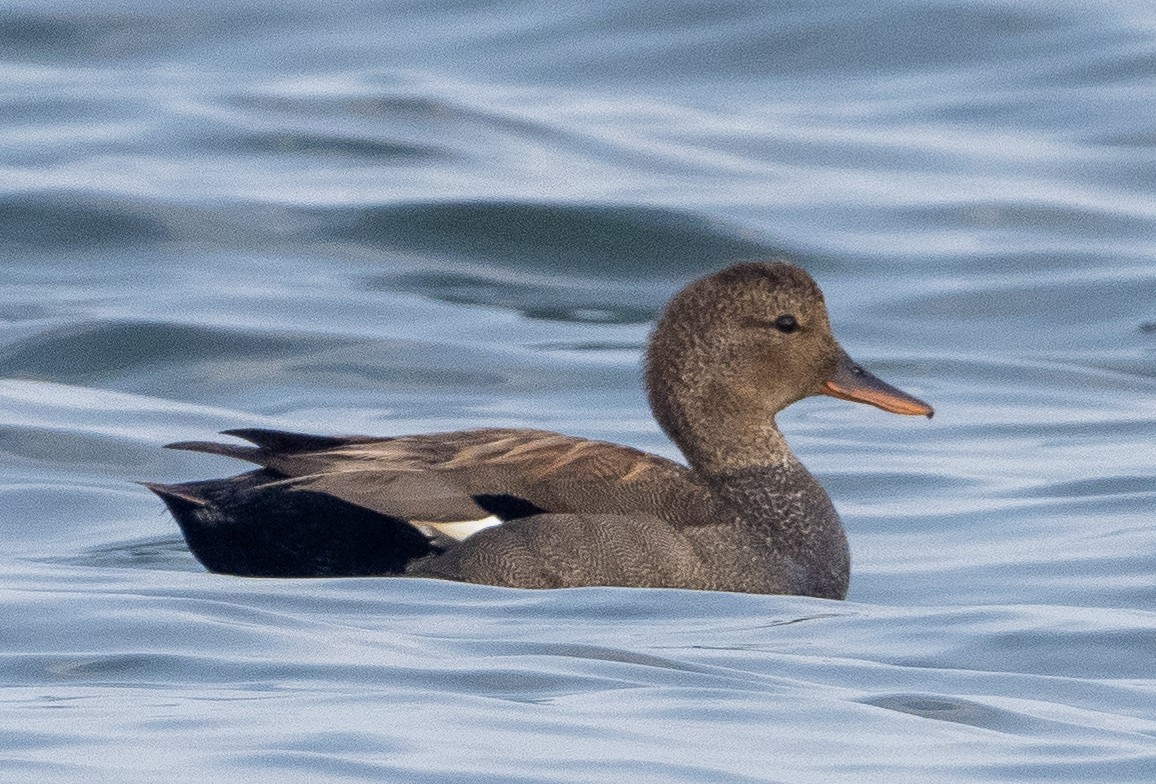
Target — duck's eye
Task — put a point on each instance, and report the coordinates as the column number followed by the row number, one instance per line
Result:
column 786, row 324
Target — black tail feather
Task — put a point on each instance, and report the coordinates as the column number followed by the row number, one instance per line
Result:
column 176, row 494
column 286, row 443
column 250, row 454
column 268, row 443
column 253, row 525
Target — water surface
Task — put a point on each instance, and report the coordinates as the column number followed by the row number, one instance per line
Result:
column 385, row 219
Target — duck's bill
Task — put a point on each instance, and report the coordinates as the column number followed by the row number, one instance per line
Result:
column 852, row 382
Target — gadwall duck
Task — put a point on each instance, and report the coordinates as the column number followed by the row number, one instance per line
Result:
column 730, row 351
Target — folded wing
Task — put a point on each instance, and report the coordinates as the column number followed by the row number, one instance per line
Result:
column 470, row 474
column 326, row 505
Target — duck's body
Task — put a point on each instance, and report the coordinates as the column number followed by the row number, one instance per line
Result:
column 731, row 351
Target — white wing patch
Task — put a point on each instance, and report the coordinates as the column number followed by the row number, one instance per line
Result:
column 458, row 531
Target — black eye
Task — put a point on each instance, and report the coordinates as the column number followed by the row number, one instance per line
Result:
column 786, row 324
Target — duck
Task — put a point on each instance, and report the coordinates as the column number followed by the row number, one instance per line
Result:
column 527, row 508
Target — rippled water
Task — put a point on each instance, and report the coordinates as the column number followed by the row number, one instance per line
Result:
column 407, row 216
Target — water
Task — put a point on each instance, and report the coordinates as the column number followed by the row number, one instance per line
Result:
column 416, row 216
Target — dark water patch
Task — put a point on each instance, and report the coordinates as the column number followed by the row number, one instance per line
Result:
column 402, row 365
column 1129, row 58
column 953, row 709
column 1060, row 650
column 1074, row 762
column 117, row 34
column 585, row 653
column 374, row 107
column 61, row 447
column 1096, row 488
column 69, row 223
column 321, row 765
column 632, row 347
column 629, row 607
column 973, row 109
column 25, row 33
column 862, row 153
column 102, row 350
column 1099, row 507
column 1043, row 431
column 998, row 263
column 748, row 41
column 23, row 311
column 553, row 301
column 511, row 683
column 1053, row 375
column 1141, row 366
column 1023, row 217
column 865, row 486
column 1139, row 138
column 377, row 766
column 340, row 743
column 322, row 145
column 101, row 668
column 54, row 515
column 365, row 372
column 30, row 769
column 592, row 314
column 64, row 109
column 617, row 243
column 167, row 554
column 379, row 124
column 25, row 739
column 1073, row 311
column 382, row 109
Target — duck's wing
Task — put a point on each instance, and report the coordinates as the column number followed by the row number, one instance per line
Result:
column 472, row 474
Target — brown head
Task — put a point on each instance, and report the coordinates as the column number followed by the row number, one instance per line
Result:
column 734, row 348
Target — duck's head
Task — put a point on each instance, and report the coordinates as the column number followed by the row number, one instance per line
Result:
column 734, row 348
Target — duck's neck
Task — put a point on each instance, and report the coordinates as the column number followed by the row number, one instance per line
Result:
column 718, row 450
column 769, row 501
column 720, row 428
column 783, row 512
column 721, row 423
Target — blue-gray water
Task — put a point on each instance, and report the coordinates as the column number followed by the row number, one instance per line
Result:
column 418, row 215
